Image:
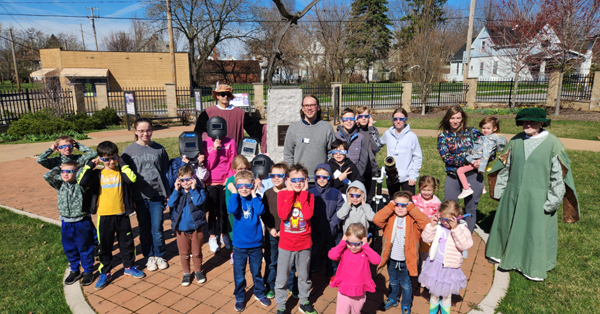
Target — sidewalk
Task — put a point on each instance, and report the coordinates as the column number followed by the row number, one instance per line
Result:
column 161, row 291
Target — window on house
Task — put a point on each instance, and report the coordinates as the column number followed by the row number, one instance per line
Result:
column 483, row 45
column 495, row 70
column 481, row 69
column 457, row 68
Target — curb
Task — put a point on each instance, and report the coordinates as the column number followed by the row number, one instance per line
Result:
column 73, row 293
column 499, row 285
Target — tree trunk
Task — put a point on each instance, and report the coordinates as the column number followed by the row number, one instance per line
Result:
column 515, row 88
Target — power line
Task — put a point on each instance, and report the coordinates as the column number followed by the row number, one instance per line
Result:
column 53, row 2
column 164, row 19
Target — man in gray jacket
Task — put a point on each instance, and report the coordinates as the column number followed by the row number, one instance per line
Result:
column 307, row 141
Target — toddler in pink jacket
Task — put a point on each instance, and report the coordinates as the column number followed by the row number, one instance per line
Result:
column 353, row 277
column 441, row 272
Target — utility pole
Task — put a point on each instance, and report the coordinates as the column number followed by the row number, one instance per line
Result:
column 82, row 39
column 93, row 25
column 469, row 40
column 12, row 47
column 171, row 44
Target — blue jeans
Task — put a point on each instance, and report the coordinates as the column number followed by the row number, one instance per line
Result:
column 399, row 278
column 271, row 255
column 150, row 220
column 254, row 255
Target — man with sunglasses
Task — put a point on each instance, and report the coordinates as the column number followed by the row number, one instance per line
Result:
column 308, row 141
column 237, row 119
column 64, row 145
column 358, row 146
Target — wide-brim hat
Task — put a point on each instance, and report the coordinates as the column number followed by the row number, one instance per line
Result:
column 223, row 88
column 532, row 114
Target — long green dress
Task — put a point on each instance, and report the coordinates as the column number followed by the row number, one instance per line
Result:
column 531, row 179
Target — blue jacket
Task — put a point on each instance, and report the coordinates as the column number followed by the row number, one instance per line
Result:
column 185, row 206
column 328, row 200
column 247, row 230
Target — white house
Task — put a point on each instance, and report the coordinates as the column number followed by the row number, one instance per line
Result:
column 493, row 56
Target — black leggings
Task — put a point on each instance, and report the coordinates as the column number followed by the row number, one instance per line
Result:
column 217, row 209
column 401, row 186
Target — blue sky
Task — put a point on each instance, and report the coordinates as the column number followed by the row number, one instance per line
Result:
column 107, row 8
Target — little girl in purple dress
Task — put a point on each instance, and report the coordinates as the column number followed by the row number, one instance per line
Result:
column 441, row 272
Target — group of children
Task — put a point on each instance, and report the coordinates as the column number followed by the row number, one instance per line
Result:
column 299, row 228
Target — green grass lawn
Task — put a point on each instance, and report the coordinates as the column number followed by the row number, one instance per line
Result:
column 572, row 287
column 32, row 267
column 7, row 86
column 584, row 130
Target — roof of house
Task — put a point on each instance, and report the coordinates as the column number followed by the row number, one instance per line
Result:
column 234, row 67
column 458, row 56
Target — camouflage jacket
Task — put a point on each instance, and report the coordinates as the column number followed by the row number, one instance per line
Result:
column 49, row 163
column 71, row 197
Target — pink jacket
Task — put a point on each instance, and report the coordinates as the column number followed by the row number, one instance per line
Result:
column 459, row 241
column 431, row 208
column 353, row 277
column 218, row 163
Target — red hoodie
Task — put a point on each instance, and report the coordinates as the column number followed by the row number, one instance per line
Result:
column 295, row 210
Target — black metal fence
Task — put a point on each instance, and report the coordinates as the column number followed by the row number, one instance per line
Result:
column 439, row 94
column 502, row 90
column 577, row 87
column 16, row 103
column 376, row 96
column 149, row 100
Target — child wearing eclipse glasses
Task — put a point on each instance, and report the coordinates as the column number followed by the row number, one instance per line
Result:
column 354, row 273
column 187, row 219
column 356, row 209
column 295, row 207
column 358, row 145
column 111, row 188
column 402, row 223
column 64, row 145
column 246, row 207
column 344, row 170
column 77, row 229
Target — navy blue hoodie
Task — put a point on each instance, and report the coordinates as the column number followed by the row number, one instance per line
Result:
column 324, row 222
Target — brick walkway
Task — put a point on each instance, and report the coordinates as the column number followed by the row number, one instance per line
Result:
column 161, row 291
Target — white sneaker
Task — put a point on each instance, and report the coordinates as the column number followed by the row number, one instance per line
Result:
column 162, row 264
column 151, row 264
column 484, row 191
column 465, row 193
column 225, row 241
column 213, row 245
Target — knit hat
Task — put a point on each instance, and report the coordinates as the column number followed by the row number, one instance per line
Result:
column 532, row 114
column 223, row 88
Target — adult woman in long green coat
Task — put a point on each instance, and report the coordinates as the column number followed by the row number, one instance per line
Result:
column 531, row 179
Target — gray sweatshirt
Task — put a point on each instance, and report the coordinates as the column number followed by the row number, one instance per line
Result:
column 350, row 214
column 151, row 164
column 308, row 144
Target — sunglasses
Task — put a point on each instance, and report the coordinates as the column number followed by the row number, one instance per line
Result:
column 401, row 205
column 64, row 146
column 244, row 185
column 355, row 195
column 399, row 119
column 457, row 218
column 223, row 94
column 354, row 244
column 186, row 179
column 339, row 151
column 297, row 180
column 69, row 171
column 322, row 177
column 106, row 159
column 364, row 116
column 277, row 175
column 348, row 118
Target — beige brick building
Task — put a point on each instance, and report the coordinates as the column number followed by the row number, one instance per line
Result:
column 120, row 70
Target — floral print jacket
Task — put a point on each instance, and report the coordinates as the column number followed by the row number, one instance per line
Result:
column 455, row 147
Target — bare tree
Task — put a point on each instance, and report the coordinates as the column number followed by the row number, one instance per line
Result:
column 573, row 22
column 290, row 19
column 204, row 24
column 118, row 41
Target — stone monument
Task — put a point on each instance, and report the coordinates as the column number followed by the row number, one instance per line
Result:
column 283, row 109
